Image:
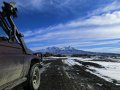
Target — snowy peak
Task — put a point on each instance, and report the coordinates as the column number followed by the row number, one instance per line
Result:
column 63, row 50
column 58, row 48
column 70, row 50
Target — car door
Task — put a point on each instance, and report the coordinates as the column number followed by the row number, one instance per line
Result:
column 11, row 59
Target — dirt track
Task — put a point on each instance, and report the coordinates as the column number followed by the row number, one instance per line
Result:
column 58, row 76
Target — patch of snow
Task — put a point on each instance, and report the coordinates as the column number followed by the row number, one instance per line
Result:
column 58, row 68
column 53, row 58
column 43, row 69
column 110, row 72
column 99, row 84
column 56, row 57
column 81, row 59
column 65, row 71
column 71, row 62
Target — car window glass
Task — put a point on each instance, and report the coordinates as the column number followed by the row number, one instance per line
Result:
column 2, row 33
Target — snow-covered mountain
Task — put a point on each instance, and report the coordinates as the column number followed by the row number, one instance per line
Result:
column 64, row 50
column 70, row 50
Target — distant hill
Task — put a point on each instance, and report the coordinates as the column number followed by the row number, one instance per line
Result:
column 70, row 50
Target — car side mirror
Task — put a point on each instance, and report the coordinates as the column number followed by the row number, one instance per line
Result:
column 40, row 55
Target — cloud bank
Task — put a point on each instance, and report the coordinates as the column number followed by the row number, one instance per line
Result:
column 81, row 33
column 99, row 30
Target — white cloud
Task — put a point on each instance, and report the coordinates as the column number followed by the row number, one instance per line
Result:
column 104, row 19
column 28, row 4
column 105, row 49
column 114, row 6
column 108, row 27
column 96, row 33
column 107, row 19
column 80, row 38
column 43, row 5
column 82, row 44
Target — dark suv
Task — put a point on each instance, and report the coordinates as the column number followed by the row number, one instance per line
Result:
column 18, row 64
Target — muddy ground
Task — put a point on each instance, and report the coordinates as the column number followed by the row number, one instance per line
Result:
column 58, row 76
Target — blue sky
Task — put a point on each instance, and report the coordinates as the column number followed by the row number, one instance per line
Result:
column 92, row 25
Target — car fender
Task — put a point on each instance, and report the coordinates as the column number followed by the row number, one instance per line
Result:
column 27, row 63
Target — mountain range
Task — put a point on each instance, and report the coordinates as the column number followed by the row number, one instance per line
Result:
column 70, row 50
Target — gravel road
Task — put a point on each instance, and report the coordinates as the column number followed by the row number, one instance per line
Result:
column 58, row 76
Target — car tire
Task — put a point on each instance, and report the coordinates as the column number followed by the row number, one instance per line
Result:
column 33, row 82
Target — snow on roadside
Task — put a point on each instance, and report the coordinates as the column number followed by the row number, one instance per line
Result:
column 81, row 59
column 72, row 58
column 71, row 62
column 110, row 72
column 53, row 58
column 56, row 57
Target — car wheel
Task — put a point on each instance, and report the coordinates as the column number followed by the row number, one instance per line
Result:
column 33, row 82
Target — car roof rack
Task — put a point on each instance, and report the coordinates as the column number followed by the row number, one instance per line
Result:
column 9, row 10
